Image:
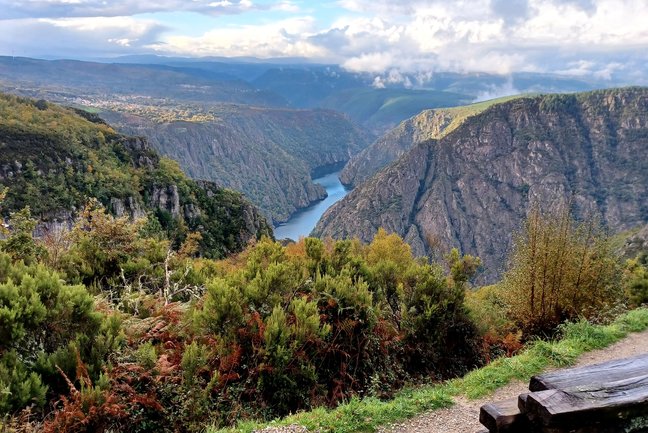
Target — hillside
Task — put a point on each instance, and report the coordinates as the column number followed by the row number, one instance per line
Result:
column 381, row 109
column 69, row 78
column 54, row 160
column 472, row 187
column 268, row 154
column 428, row 124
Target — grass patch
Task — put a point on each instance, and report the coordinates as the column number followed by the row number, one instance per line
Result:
column 367, row 414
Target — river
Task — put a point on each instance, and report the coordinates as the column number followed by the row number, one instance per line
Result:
column 304, row 221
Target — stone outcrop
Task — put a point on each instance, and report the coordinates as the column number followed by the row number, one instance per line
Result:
column 427, row 125
column 472, row 188
column 268, row 154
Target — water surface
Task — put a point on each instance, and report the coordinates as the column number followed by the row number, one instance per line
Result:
column 304, row 221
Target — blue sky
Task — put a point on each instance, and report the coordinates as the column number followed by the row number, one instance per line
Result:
column 597, row 38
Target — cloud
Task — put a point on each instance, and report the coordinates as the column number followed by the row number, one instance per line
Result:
column 499, row 36
column 69, row 36
column 14, row 9
column 602, row 39
column 283, row 38
column 494, row 91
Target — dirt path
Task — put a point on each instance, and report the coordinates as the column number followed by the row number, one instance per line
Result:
column 463, row 417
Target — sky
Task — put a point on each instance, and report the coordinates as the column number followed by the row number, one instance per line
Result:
column 596, row 38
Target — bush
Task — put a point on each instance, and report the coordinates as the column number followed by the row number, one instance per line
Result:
column 318, row 322
column 635, row 280
column 44, row 325
column 560, row 270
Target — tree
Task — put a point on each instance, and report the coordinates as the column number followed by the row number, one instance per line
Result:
column 560, row 270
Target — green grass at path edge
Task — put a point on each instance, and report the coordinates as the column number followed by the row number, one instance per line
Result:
column 367, row 414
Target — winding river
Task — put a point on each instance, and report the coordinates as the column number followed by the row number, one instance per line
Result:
column 304, row 221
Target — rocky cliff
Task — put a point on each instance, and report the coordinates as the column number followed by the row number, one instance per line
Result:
column 472, row 188
column 268, row 154
column 428, row 124
column 54, row 160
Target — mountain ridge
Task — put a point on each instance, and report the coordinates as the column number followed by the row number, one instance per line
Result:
column 472, row 188
column 428, row 124
column 269, row 154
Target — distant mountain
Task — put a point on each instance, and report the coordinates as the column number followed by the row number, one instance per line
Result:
column 268, row 154
column 381, row 109
column 424, row 126
column 130, row 80
column 308, row 87
column 472, row 187
column 54, row 160
column 381, row 101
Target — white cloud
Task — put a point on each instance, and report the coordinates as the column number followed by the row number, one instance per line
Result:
column 70, row 36
column 579, row 38
column 281, row 38
column 506, row 89
column 112, row 8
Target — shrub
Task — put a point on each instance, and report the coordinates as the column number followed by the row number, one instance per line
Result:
column 560, row 270
column 44, row 324
column 635, row 280
column 319, row 322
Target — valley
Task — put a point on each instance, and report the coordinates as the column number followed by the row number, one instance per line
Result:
column 302, row 223
column 212, row 245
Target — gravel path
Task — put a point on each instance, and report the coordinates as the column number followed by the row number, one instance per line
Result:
column 463, row 417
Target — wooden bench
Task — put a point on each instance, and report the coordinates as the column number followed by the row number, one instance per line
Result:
column 603, row 398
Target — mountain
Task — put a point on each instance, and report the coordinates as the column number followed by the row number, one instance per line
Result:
column 381, row 101
column 217, row 126
column 308, row 86
column 267, row 153
column 111, row 80
column 54, row 160
column 472, row 188
column 426, row 125
column 381, row 109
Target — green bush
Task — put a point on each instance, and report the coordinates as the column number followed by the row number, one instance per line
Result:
column 46, row 327
column 319, row 322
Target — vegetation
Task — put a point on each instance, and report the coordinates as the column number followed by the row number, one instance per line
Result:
column 54, row 159
column 278, row 329
column 368, row 414
column 110, row 327
column 636, row 280
column 560, row 270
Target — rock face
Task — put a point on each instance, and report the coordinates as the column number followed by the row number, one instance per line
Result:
column 424, row 126
column 268, row 154
column 472, row 188
column 636, row 243
column 428, row 124
column 54, row 161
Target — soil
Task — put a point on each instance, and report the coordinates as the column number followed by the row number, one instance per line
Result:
column 463, row 417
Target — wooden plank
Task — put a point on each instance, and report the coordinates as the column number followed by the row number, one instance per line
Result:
column 521, row 402
column 610, row 371
column 589, row 404
column 503, row 416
